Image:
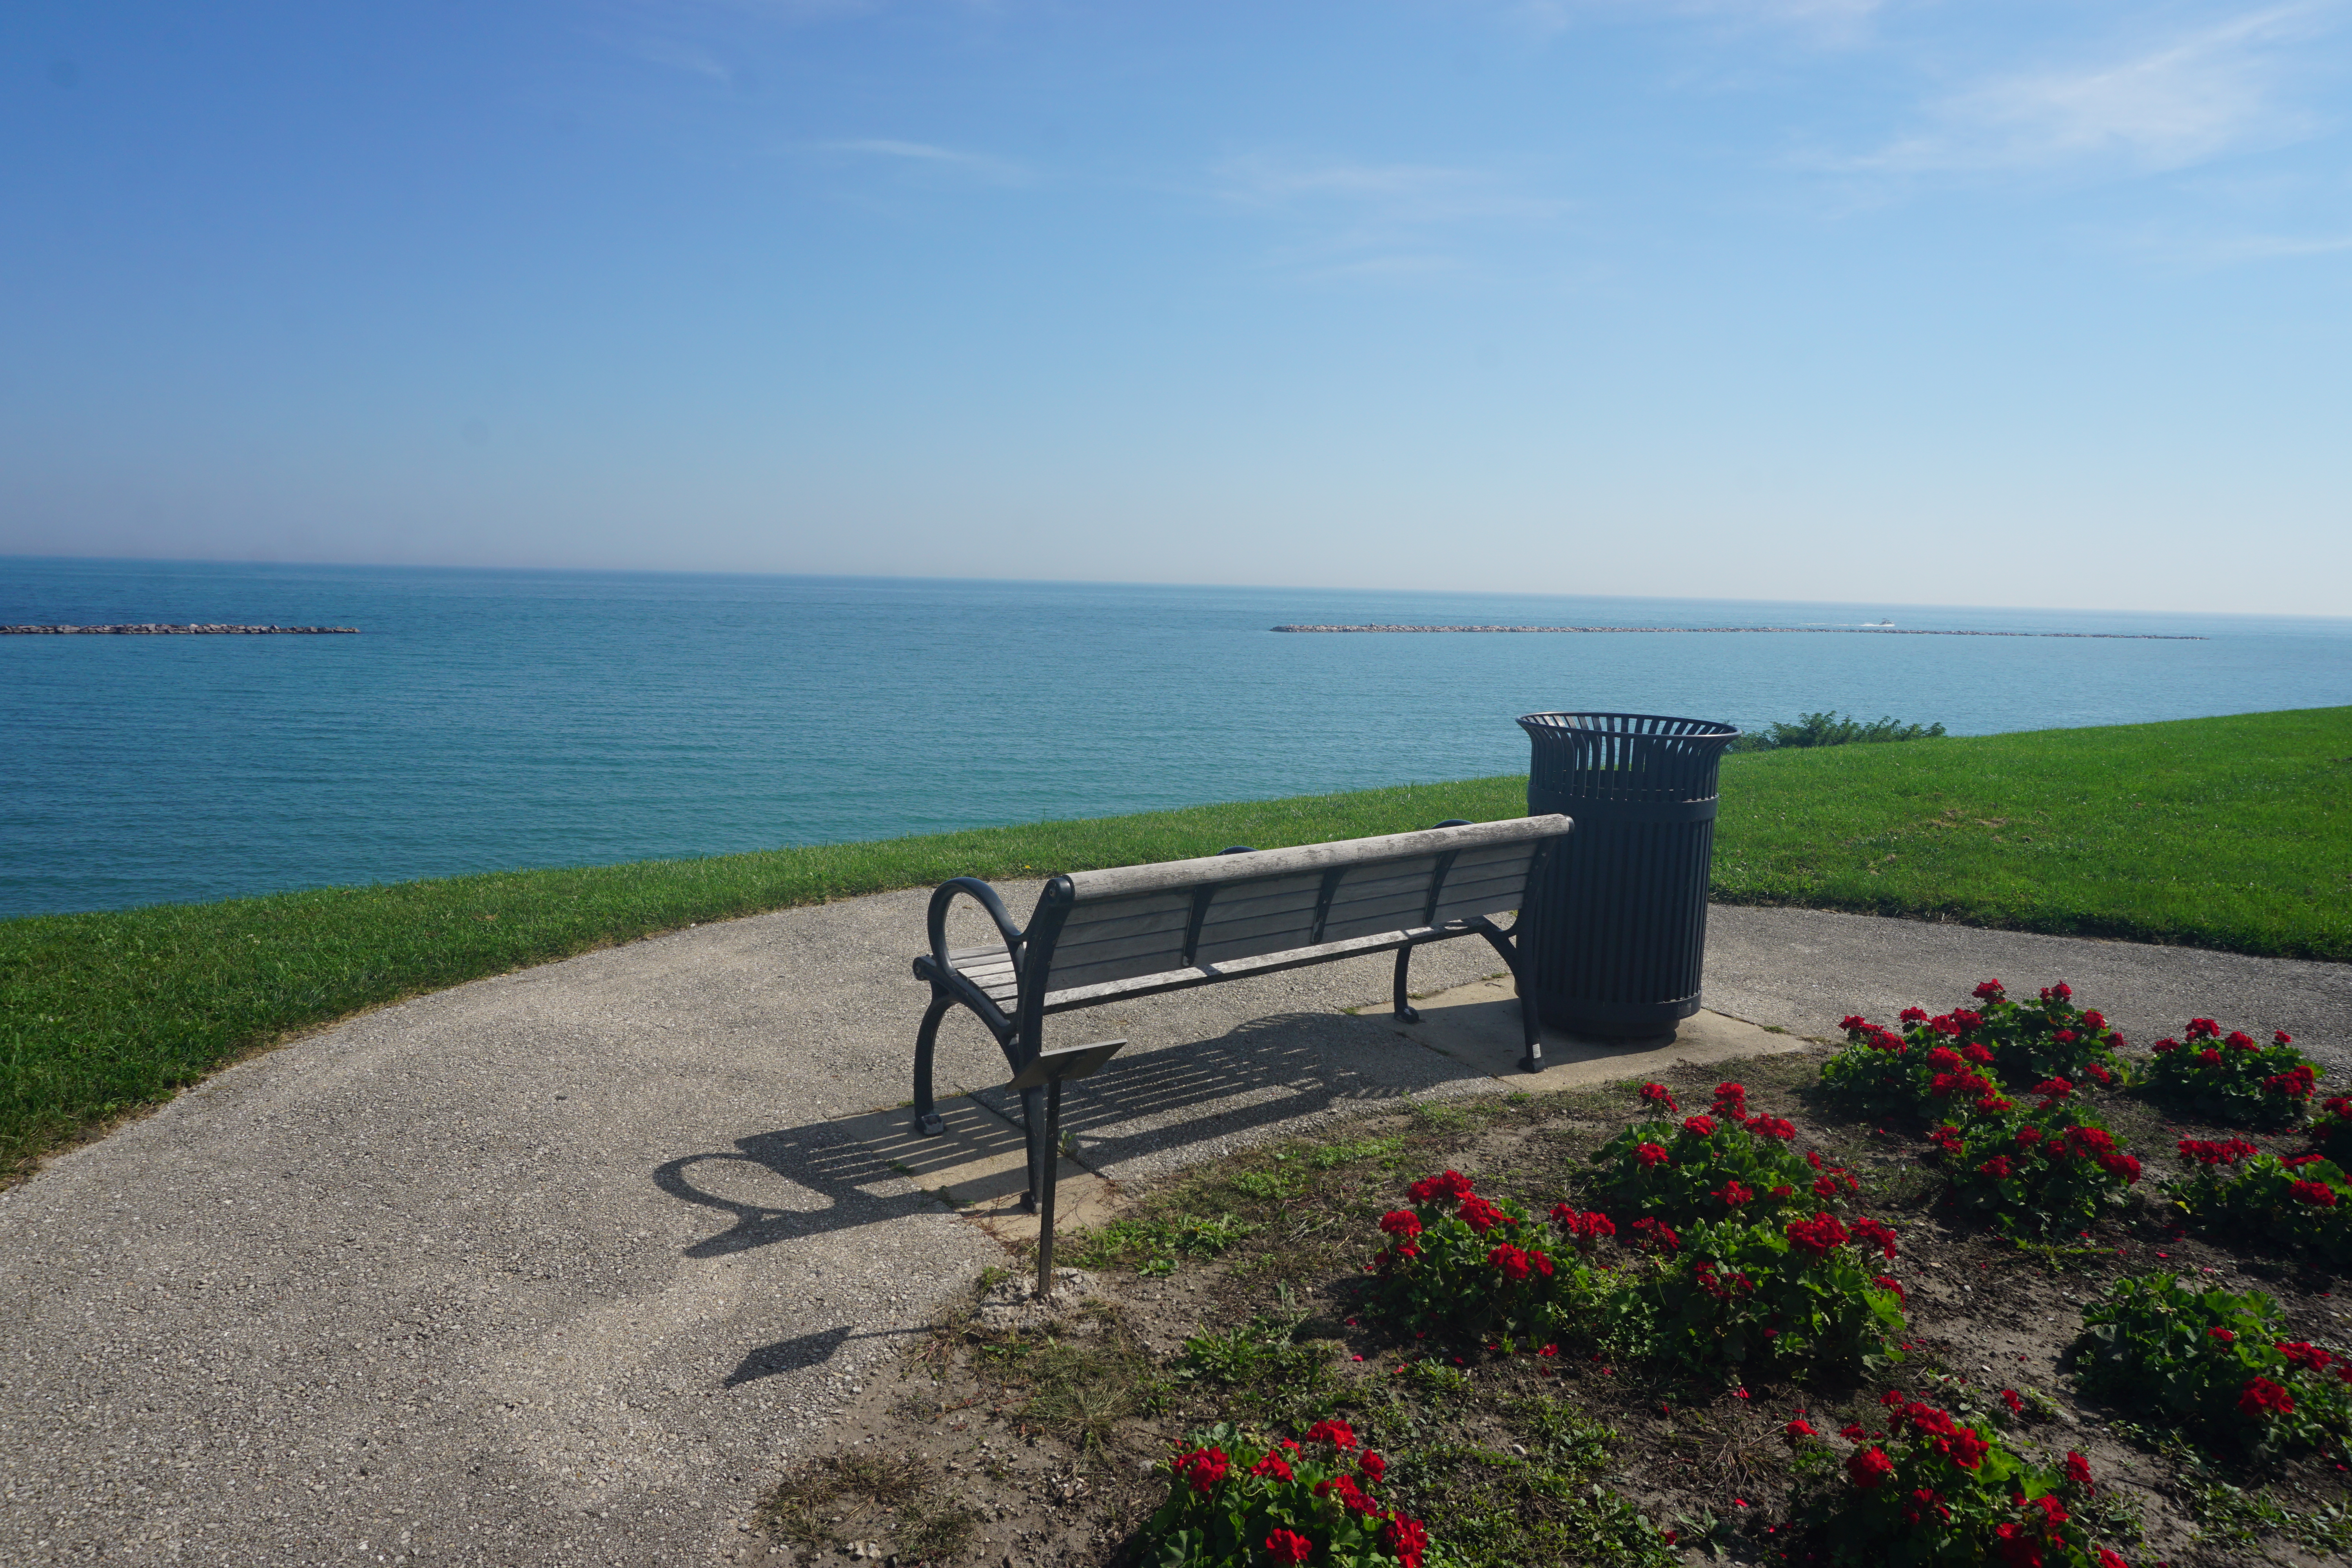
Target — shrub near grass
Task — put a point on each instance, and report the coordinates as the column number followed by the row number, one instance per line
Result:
column 1723, row 1164
column 1461, row 1265
column 2215, row 1361
column 1930, row 1488
column 2303, row 1201
column 2331, row 1130
column 2054, row 1168
column 1736, row 1298
column 1236, row 1500
column 2232, row 1078
column 1968, row 1051
column 2047, row 1037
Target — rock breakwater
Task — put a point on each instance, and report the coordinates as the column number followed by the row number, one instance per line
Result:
column 1855, row 631
column 157, row 628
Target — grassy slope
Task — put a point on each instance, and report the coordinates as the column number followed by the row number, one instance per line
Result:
column 2234, row 833
column 101, row 1014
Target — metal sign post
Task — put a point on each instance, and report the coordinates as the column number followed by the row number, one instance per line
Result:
column 1049, row 1070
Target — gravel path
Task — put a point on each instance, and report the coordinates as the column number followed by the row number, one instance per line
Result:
column 564, row 1267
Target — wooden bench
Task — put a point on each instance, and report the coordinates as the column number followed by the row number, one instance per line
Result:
column 1099, row 937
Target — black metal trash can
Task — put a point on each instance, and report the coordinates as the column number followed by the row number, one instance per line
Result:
column 1620, row 914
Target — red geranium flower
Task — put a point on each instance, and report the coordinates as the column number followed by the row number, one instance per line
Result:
column 1650, row 1154
column 1480, row 1214
column 1869, row 1233
column 1274, row 1464
column 1339, row 1434
column 1700, row 1126
column 1408, row 1538
column 1203, row 1468
column 2078, row 1469
column 1656, row 1094
column 1869, row 1468
column 1402, row 1224
column 1288, row 1546
column 2262, row 1397
column 1816, row 1238
column 1452, row 1186
column 2020, row 1547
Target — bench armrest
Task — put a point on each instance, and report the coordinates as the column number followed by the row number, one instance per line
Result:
column 985, row 896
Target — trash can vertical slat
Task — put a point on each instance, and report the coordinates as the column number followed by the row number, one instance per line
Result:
column 1619, row 916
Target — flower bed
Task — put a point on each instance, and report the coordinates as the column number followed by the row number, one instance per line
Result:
column 1743, row 1297
column 2303, row 1201
column 1459, row 1262
column 1938, row 1065
column 1723, row 1164
column 1589, row 1380
column 2215, row 1361
column 2231, row 1078
column 2052, row 1168
column 1235, row 1501
column 1931, row 1489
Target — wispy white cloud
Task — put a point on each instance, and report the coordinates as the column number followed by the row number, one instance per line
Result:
column 2207, row 250
column 1378, row 221
column 1839, row 21
column 670, row 54
column 977, row 165
column 1382, row 195
column 2165, row 104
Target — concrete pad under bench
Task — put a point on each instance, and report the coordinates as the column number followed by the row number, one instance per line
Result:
column 979, row 1167
column 1479, row 1025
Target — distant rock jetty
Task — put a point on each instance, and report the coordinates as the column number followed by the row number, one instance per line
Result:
column 1858, row 631
column 158, row 630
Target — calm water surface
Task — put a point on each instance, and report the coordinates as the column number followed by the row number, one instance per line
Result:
column 489, row 720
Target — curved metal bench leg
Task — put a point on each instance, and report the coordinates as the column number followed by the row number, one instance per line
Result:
column 1033, row 1124
column 1531, row 1021
column 1405, row 1011
column 927, row 1040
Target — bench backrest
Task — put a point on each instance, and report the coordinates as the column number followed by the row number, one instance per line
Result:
column 1133, row 921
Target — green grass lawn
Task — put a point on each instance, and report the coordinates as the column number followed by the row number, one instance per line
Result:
column 2231, row 833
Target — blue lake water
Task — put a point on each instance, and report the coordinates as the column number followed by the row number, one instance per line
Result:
column 490, row 719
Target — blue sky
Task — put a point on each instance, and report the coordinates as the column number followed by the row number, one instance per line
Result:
column 2036, row 303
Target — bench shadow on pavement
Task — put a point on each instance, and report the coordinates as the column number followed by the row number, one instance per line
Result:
column 845, row 1172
